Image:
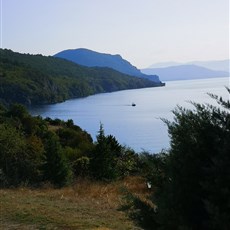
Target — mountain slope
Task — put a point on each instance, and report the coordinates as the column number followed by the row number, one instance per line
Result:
column 91, row 58
column 220, row 65
column 163, row 65
column 185, row 72
column 36, row 79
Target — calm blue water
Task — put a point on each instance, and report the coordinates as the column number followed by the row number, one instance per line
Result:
column 138, row 127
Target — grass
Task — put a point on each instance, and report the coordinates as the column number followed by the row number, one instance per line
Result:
column 85, row 205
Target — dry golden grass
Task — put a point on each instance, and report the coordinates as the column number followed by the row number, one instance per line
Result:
column 85, row 205
column 54, row 127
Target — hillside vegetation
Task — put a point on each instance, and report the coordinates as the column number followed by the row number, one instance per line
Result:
column 35, row 151
column 52, row 175
column 36, row 79
column 189, row 184
column 192, row 180
column 86, row 205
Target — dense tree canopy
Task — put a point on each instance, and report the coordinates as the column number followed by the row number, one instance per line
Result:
column 110, row 160
column 194, row 176
column 34, row 151
column 36, row 79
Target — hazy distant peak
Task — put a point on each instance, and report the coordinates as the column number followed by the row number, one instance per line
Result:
column 164, row 64
column 184, row 72
column 220, row 65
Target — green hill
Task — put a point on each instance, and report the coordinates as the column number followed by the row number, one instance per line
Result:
column 36, row 79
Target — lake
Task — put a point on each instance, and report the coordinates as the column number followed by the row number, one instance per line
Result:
column 140, row 126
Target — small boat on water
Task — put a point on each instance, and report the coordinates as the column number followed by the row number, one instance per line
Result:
column 133, row 104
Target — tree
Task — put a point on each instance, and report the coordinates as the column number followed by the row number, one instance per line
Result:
column 127, row 162
column 18, row 110
column 104, row 158
column 20, row 158
column 35, row 158
column 199, row 166
column 153, row 167
column 12, row 155
column 195, row 190
column 56, row 169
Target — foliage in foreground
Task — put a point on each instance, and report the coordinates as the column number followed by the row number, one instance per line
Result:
column 191, row 183
column 110, row 160
column 35, row 151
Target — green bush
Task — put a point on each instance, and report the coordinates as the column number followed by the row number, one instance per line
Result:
column 194, row 191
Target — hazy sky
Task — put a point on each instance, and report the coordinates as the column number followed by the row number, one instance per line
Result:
column 142, row 31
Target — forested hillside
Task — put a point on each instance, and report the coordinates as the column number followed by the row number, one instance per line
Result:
column 34, row 151
column 36, row 79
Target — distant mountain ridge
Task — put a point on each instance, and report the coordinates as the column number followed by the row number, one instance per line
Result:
column 185, row 72
column 91, row 58
column 220, row 65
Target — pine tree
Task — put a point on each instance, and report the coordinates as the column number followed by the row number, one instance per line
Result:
column 56, row 168
column 104, row 158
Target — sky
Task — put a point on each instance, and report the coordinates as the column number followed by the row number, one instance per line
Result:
column 143, row 32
